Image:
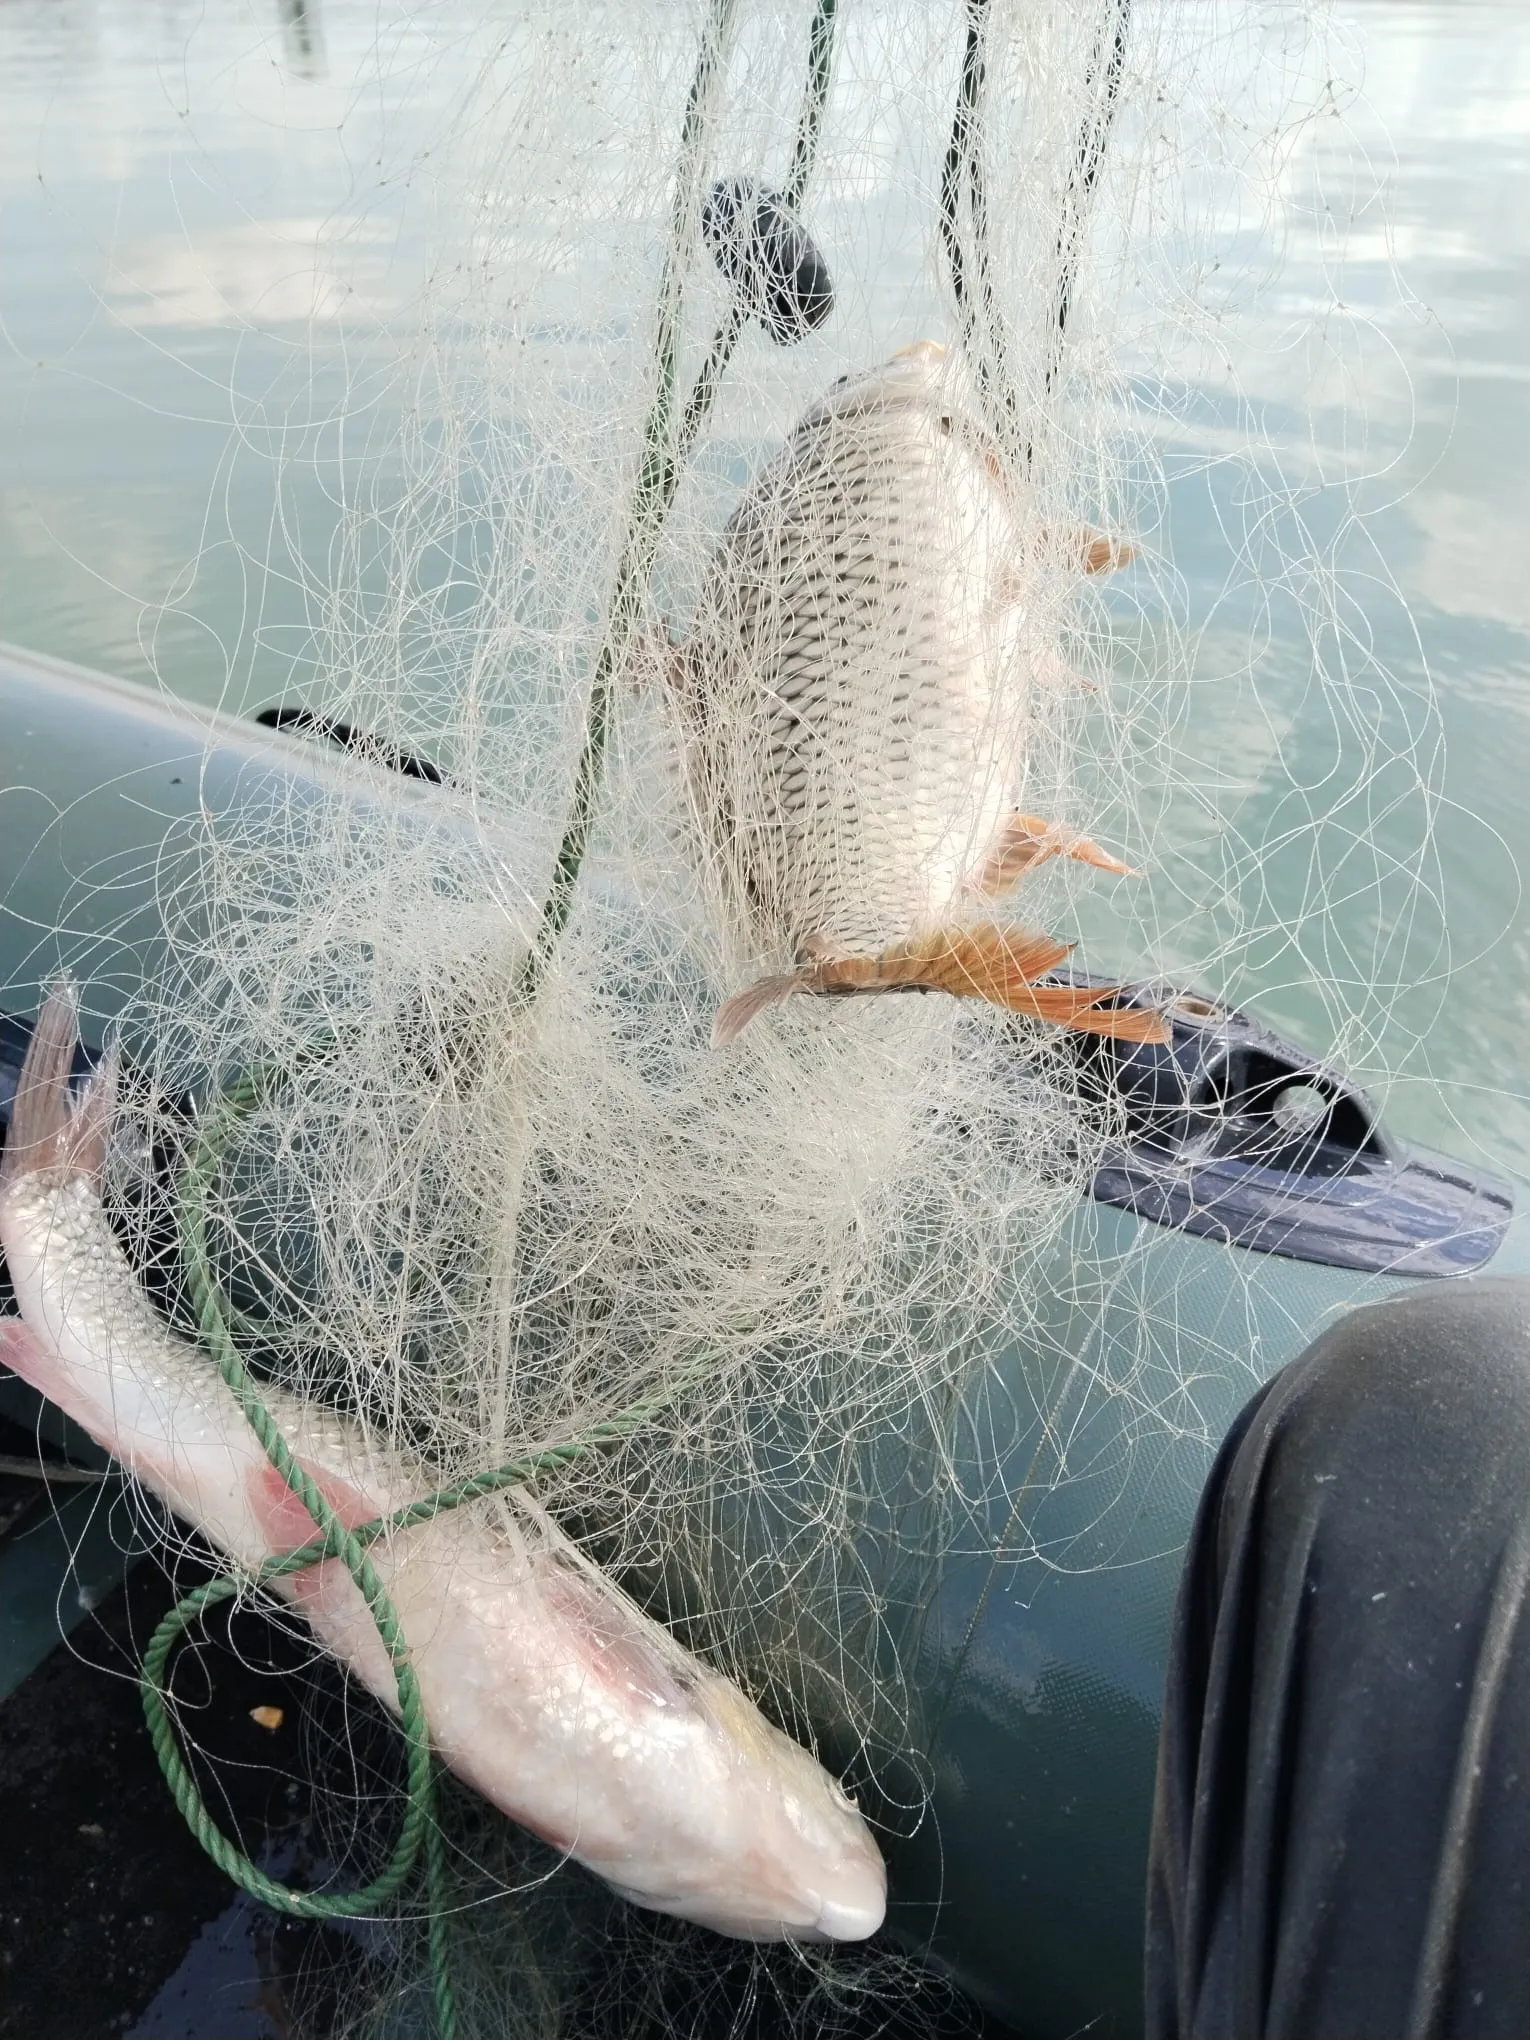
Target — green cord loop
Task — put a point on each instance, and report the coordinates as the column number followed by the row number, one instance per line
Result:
column 419, row 1830
column 667, row 443
column 334, row 1541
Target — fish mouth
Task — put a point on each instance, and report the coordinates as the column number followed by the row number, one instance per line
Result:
column 838, row 1921
column 827, row 1919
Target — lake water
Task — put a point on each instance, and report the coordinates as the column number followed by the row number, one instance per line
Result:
column 166, row 180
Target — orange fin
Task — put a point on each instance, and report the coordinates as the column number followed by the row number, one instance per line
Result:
column 999, row 965
column 1080, row 547
column 1025, row 841
column 985, row 962
column 981, row 963
column 50, row 1133
column 1102, row 555
column 735, row 1014
column 1079, row 1007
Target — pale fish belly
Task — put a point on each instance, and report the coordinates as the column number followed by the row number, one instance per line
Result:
column 857, row 678
column 543, row 1684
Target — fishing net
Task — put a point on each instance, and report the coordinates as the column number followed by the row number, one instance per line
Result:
column 465, row 1158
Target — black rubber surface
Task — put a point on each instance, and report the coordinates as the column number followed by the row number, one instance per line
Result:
column 1341, row 1843
column 114, row 1923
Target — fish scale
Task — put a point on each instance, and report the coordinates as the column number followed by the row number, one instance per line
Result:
column 543, row 1685
column 854, row 700
column 854, row 687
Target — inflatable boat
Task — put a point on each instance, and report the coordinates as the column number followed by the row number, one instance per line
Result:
column 1251, row 1196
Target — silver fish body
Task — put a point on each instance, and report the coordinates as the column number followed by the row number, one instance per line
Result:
column 544, row 1686
column 855, row 688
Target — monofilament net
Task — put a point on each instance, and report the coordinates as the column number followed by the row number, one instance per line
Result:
column 734, row 629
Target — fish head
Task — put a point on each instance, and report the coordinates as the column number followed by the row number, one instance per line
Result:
column 919, row 375
column 920, row 389
column 730, row 1824
column 787, row 1854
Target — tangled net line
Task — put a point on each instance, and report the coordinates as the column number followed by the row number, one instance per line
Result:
column 664, row 452
column 668, row 439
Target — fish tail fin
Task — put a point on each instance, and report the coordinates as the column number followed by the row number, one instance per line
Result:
column 735, row 1014
column 999, row 965
column 49, row 1132
column 986, row 962
column 1080, row 1008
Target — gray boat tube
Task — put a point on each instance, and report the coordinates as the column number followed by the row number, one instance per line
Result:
column 1252, row 1200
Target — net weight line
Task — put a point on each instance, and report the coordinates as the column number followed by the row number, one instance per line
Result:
column 420, row 1829
column 666, row 443
column 665, row 449
column 982, row 322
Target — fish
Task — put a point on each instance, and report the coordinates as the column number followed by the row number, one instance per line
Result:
column 545, row 1686
column 852, row 701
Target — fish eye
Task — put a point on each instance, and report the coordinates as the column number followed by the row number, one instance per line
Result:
column 945, row 423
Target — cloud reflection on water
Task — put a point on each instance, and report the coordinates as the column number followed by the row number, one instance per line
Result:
column 175, row 272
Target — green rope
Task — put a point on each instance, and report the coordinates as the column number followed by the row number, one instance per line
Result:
column 419, row 1829
column 658, row 478
column 334, row 1541
column 438, row 1933
column 666, row 446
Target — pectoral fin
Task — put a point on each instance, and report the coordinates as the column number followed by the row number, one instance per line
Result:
column 1093, row 551
column 1101, row 554
column 1025, row 841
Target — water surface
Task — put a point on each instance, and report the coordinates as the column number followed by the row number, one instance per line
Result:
column 1345, row 820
